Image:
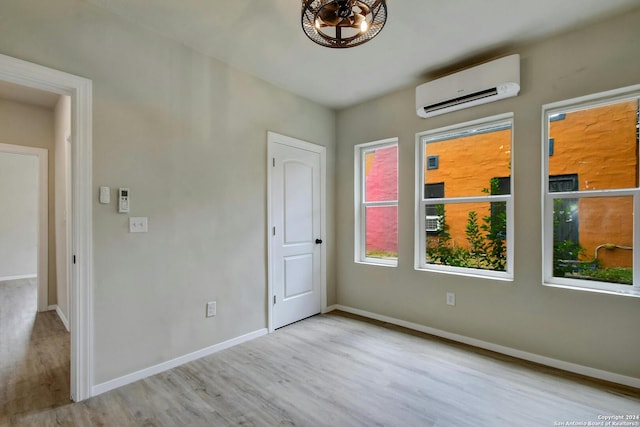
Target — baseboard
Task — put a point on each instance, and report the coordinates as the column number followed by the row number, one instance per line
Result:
column 23, row 276
column 536, row 358
column 330, row 308
column 63, row 318
column 170, row 364
column 61, row 315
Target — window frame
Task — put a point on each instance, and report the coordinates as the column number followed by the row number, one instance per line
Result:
column 420, row 263
column 360, row 205
column 548, row 279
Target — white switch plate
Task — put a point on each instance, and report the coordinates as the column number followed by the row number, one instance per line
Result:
column 105, row 195
column 211, row 309
column 451, row 298
column 138, row 224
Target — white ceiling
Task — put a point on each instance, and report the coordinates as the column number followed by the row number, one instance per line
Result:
column 421, row 37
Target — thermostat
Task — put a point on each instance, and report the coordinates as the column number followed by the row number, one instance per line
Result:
column 123, row 200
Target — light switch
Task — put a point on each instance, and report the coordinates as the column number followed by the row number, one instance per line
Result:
column 138, row 224
column 105, row 195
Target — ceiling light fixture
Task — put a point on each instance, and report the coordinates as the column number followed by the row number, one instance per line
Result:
column 343, row 23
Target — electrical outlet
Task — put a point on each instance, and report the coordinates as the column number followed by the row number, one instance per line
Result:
column 451, row 298
column 211, row 309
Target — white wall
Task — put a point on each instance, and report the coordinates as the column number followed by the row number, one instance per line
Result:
column 188, row 135
column 594, row 330
column 18, row 215
column 62, row 131
column 32, row 126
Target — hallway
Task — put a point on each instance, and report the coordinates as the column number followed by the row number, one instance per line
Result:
column 34, row 353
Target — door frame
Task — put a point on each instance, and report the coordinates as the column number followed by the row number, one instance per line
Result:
column 42, row 154
column 36, row 76
column 275, row 138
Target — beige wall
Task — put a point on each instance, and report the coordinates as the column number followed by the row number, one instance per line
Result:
column 590, row 329
column 188, row 135
column 32, row 126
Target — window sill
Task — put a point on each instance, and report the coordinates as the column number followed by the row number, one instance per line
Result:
column 466, row 273
column 631, row 292
column 378, row 264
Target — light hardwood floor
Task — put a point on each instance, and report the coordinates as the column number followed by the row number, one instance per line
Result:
column 34, row 353
column 341, row 370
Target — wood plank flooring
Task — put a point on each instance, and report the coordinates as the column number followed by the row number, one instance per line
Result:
column 341, row 370
column 34, row 353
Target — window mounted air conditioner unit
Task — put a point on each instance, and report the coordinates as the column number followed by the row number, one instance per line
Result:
column 481, row 84
column 432, row 223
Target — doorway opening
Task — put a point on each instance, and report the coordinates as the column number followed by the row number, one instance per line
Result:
column 24, row 231
column 34, row 360
column 80, row 306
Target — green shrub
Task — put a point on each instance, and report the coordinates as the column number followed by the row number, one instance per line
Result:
column 487, row 249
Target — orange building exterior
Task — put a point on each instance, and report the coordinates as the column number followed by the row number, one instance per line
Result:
column 466, row 166
column 600, row 145
column 597, row 148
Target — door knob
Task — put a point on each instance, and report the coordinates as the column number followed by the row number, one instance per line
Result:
column 318, row 241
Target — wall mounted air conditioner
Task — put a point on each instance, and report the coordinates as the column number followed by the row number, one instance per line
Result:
column 433, row 223
column 483, row 83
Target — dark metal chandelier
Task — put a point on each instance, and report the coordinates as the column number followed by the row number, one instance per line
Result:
column 343, row 23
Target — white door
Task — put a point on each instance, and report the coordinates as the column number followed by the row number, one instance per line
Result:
column 296, row 235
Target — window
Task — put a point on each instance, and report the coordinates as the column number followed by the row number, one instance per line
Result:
column 591, row 194
column 468, row 230
column 432, row 162
column 432, row 219
column 376, row 202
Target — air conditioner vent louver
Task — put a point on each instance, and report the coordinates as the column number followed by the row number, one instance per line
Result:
column 462, row 99
column 481, row 84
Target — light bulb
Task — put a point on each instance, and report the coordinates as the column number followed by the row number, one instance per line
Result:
column 364, row 26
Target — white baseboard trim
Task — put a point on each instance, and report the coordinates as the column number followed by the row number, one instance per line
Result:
column 23, row 276
column 170, row 364
column 63, row 318
column 61, row 315
column 330, row 308
column 543, row 360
